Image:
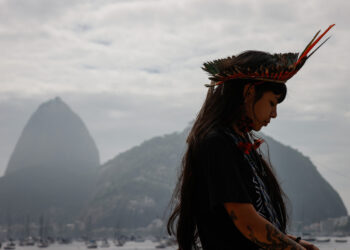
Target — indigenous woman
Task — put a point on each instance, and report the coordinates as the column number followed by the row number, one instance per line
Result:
column 227, row 195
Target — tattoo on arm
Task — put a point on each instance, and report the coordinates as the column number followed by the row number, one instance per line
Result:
column 276, row 240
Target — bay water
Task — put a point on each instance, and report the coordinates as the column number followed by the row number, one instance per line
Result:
column 149, row 245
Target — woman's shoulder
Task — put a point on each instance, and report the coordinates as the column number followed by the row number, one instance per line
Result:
column 219, row 139
column 214, row 135
column 219, row 149
column 220, row 133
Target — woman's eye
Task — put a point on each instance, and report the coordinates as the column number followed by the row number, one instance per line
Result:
column 272, row 104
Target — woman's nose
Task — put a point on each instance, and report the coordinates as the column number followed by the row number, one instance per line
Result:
column 274, row 113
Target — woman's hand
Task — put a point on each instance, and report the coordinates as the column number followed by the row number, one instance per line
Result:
column 304, row 243
column 308, row 245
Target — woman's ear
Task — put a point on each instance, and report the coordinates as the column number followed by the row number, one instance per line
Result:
column 249, row 91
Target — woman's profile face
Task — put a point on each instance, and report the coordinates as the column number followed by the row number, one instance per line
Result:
column 263, row 110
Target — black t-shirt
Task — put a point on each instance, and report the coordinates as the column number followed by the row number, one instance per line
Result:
column 222, row 175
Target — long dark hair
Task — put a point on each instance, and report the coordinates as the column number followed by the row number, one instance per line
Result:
column 222, row 107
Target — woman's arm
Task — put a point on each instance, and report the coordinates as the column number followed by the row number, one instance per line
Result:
column 257, row 229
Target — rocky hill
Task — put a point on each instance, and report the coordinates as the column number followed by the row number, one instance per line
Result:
column 54, row 137
column 53, row 167
column 312, row 198
column 135, row 187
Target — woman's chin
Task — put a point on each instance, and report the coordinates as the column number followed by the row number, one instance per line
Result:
column 258, row 128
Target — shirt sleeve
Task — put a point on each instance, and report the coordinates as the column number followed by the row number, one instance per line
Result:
column 225, row 178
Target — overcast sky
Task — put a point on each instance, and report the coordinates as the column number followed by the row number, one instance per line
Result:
column 131, row 69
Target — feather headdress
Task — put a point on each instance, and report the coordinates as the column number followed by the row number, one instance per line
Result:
column 280, row 68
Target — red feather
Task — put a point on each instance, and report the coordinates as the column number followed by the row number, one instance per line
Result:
column 313, row 44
